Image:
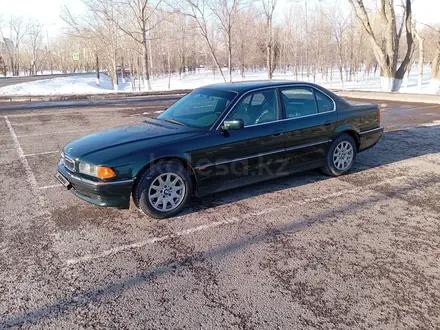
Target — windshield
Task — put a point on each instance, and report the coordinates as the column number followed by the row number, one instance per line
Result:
column 200, row 109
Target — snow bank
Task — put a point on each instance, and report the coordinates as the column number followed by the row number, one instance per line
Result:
column 86, row 84
column 62, row 85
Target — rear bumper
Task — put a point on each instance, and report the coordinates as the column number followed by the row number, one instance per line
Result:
column 111, row 194
column 368, row 139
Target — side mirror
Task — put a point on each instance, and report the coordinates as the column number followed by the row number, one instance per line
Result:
column 233, row 124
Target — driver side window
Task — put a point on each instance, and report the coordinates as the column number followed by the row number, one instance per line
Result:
column 257, row 108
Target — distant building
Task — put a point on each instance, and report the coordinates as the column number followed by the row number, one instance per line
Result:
column 6, row 45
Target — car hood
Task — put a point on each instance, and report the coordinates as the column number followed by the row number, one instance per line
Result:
column 148, row 133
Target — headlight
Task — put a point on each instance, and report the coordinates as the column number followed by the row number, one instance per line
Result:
column 101, row 172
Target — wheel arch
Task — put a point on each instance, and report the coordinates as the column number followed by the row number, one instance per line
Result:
column 185, row 162
column 350, row 130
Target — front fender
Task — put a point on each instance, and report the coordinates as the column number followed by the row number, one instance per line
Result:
column 156, row 156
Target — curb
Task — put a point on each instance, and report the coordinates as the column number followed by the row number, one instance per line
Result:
column 70, row 97
column 382, row 96
column 395, row 97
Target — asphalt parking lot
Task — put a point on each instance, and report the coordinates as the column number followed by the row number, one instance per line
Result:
column 357, row 252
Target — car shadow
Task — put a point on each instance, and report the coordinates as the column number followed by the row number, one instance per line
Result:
column 395, row 146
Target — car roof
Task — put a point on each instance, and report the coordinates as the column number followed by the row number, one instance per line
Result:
column 244, row 86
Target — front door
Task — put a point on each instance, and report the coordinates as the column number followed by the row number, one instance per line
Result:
column 258, row 148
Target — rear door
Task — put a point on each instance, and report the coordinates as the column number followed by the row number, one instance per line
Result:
column 310, row 120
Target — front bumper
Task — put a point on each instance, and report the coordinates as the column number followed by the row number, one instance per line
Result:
column 111, row 194
column 368, row 139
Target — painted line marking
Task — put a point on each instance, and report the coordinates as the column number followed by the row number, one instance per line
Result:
column 29, row 174
column 51, row 186
column 159, row 111
column 428, row 107
column 52, row 133
column 42, row 153
column 233, row 220
column 146, row 242
column 38, row 122
column 93, row 113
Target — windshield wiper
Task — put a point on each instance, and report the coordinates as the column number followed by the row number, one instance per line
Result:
column 171, row 120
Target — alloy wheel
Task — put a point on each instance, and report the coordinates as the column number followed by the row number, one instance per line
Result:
column 343, row 155
column 166, row 192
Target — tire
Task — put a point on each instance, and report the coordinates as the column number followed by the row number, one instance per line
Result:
column 338, row 165
column 153, row 193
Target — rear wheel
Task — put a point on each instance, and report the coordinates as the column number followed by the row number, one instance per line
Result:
column 341, row 156
column 163, row 190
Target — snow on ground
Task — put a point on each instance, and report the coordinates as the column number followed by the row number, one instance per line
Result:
column 86, row 84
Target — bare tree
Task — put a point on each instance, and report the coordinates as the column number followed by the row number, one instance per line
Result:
column 226, row 12
column 137, row 18
column 99, row 27
column 269, row 8
column 35, row 39
column 18, row 30
column 421, row 43
column 198, row 10
column 339, row 23
column 435, row 70
column 387, row 53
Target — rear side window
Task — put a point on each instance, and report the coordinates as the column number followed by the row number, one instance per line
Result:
column 299, row 101
column 325, row 104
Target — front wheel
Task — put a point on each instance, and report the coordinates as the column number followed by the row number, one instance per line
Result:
column 163, row 190
column 341, row 156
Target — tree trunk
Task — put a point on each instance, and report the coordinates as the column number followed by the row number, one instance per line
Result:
column 97, row 70
column 389, row 82
column 146, row 67
column 341, row 76
column 115, row 74
column 169, row 64
column 386, row 45
column 131, row 68
column 122, row 70
column 269, row 60
column 435, row 73
column 421, row 62
column 216, row 62
column 230, row 55
column 269, row 50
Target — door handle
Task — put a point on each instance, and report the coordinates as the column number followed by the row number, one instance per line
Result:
column 277, row 133
column 328, row 122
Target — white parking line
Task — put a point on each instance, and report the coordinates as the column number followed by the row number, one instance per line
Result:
column 29, row 174
column 428, row 107
column 233, row 220
column 42, row 153
column 92, row 114
column 52, row 133
column 39, row 122
column 149, row 241
column 51, row 186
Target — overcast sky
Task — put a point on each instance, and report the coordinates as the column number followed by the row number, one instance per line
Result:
column 48, row 11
